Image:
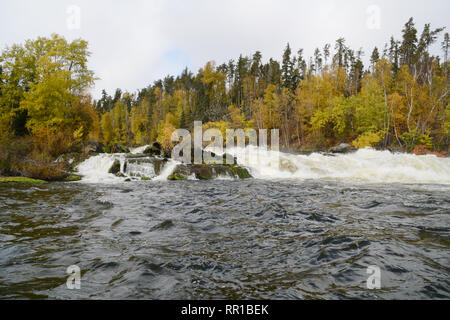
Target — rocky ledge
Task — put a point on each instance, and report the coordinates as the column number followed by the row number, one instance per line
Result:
column 342, row 148
column 208, row 171
column 157, row 160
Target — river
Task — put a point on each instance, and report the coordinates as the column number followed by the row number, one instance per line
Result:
column 306, row 227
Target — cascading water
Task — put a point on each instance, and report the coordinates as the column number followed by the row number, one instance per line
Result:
column 137, row 166
column 167, row 171
column 139, row 150
column 95, row 169
column 140, row 169
column 364, row 165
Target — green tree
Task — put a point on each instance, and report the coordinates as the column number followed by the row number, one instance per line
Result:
column 374, row 57
column 107, row 129
column 140, row 122
column 41, row 80
column 409, row 44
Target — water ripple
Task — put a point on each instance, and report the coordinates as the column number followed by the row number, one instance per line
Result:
column 225, row 240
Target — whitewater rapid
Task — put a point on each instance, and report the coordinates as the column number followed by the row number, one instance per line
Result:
column 138, row 150
column 365, row 165
column 95, row 169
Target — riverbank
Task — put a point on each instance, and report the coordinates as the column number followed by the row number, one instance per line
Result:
column 64, row 167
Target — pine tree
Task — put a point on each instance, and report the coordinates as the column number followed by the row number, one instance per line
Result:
column 318, row 60
column 326, row 53
column 374, row 58
column 409, row 44
column 394, row 54
column 341, row 49
column 287, row 69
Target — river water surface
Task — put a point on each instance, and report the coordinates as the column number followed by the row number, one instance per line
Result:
column 260, row 238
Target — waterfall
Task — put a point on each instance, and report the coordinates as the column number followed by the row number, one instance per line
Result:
column 95, row 169
column 365, row 165
column 167, row 171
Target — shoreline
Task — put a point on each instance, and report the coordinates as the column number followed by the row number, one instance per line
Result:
column 72, row 175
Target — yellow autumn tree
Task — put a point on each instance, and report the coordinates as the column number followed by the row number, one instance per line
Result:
column 165, row 130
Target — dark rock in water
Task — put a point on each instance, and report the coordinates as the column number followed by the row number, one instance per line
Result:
column 176, row 176
column 136, row 156
column 211, row 155
column 242, row 173
column 221, row 159
column 118, row 148
column 155, row 156
column 163, row 225
column 93, row 147
column 208, row 172
column 342, row 148
column 154, row 149
column 115, row 168
column 120, row 175
column 157, row 145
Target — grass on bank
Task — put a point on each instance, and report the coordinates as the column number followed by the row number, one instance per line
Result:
column 20, row 180
column 72, row 177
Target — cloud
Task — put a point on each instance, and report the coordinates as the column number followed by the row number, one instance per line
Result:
column 134, row 43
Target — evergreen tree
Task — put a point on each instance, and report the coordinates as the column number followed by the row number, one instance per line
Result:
column 409, row 44
column 374, row 58
column 318, row 60
column 341, row 50
column 287, row 69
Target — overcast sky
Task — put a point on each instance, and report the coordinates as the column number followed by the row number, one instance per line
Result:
column 134, row 43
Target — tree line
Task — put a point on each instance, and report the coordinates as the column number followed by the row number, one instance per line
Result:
column 400, row 100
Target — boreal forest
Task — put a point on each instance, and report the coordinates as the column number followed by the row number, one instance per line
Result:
column 398, row 101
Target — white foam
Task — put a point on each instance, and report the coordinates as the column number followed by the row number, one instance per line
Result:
column 138, row 150
column 167, row 170
column 365, row 165
column 95, row 169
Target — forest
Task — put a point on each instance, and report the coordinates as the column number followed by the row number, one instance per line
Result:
column 398, row 102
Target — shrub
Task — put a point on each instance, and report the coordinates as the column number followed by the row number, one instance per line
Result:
column 414, row 138
column 44, row 170
column 367, row 139
column 13, row 151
